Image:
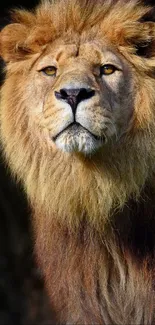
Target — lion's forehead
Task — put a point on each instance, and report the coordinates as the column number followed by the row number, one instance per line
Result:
column 91, row 51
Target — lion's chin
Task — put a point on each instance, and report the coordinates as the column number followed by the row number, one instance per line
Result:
column 77, row 139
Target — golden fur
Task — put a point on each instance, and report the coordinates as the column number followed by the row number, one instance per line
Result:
column 88, row 198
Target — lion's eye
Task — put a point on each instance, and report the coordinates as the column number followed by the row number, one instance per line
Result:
column 49, row 71
column 107, row 69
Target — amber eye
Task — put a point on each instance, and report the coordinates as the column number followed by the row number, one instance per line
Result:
column 107, row 69
column 49, row 71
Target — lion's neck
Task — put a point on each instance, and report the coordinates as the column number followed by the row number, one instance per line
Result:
column 88, row 269
column 74, row 188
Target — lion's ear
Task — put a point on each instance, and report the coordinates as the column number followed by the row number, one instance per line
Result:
column 14, row 44
column 145, row 42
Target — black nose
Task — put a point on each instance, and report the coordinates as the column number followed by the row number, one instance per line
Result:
column 74, row 96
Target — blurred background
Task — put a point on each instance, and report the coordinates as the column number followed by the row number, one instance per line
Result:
column 23, row 299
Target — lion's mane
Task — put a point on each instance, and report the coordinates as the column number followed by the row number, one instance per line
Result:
column 93, row 217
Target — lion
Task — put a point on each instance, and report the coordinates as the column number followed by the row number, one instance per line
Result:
column 78, row 130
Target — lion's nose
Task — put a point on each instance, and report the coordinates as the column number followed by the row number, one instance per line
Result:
column 74, row 96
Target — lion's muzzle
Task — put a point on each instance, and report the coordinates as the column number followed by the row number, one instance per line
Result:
column 74, row 96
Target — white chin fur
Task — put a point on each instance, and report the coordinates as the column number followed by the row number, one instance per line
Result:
column 84, row 143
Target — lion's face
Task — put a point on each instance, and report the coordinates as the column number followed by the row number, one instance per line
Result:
column 85, row 92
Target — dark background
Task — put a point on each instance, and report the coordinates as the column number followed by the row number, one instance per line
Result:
column 23, row 299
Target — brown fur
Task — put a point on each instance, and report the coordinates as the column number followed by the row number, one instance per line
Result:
column 93, row 215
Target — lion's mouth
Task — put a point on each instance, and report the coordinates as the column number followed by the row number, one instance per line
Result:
column 75, row 128
column 77, row 138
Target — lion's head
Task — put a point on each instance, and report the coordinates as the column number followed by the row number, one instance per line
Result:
column 87, row 94
column 78, row 102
